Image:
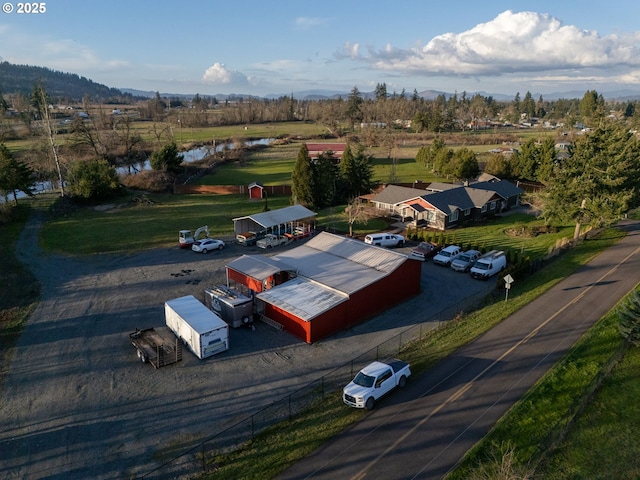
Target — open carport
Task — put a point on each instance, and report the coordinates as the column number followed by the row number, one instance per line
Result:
column 280, row 221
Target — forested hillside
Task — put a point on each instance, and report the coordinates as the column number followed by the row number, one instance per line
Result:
column 61, row 87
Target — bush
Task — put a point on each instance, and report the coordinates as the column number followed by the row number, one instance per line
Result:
column 150, row 181
column 92, row 180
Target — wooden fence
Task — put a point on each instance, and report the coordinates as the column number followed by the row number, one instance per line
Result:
column 268, row 190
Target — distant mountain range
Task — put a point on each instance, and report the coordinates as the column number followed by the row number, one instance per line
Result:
column 68, row 87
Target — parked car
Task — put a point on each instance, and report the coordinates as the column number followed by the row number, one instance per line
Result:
column 374, row 381
column 447, row 255
column 207, row 245
column 384, row 240
column 465, row 261
column 488, row 265
column 425, row 250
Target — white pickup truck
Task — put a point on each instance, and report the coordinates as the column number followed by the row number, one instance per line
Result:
column 374, row 381
column 271, row 240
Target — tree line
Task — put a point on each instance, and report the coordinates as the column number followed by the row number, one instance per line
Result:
column 602, row 163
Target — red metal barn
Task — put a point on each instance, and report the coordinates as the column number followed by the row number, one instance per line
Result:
column 326, row 285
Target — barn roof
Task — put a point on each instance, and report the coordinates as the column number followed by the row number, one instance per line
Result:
column 341, row 263
column 316, row 149
column 303, row 298
column 259, row 267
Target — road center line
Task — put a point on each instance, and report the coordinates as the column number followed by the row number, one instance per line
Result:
column 469, row 384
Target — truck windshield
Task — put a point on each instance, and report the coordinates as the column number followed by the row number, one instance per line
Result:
column 363, row 380
column 482, row 266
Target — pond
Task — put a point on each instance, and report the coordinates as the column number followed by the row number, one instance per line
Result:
column 195, row 154
column 189, row 156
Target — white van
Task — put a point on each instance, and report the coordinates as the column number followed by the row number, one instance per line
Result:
column 488, row 265
column 384, row 240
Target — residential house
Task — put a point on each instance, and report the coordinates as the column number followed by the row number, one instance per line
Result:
column 443, row 206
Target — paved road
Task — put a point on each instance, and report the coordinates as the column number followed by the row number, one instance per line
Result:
column 422, row 431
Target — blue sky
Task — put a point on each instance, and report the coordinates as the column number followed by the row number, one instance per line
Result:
column 279, row 47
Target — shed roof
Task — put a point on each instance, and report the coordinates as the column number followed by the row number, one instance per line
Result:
column 279, row 216
column 259, row 267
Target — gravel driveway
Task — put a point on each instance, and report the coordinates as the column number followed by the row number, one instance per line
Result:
column 77, row 402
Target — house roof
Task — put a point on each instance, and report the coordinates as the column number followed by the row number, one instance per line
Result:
column 279, row 216
column 315, row 149
column 441, row 186
column 448, row 197
column 395, row 194
column 503, row 188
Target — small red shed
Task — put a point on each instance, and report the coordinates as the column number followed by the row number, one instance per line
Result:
column 256, row 191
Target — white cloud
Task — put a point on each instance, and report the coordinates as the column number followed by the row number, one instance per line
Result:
column 349, row 50
column 510, row 43
column 59, row 54
column 305, row 23
column 219, row 74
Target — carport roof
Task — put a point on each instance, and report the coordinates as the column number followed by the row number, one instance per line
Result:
column 273, row 218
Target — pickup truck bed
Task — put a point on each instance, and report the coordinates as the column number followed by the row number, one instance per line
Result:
column 159, row 347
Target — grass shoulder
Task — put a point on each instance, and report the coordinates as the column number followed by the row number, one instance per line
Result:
column 282, row 445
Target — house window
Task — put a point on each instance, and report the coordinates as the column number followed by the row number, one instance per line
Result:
column 467, row 212
column 431, row 216
column 492, row 206
column 484, row 208
column 454, row 216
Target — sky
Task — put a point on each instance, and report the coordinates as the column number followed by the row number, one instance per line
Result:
column 274, row 47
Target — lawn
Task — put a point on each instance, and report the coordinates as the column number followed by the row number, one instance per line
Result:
column 138, row 222
column 273, row 166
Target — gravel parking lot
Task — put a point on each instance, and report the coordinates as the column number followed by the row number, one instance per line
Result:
column 77, row 402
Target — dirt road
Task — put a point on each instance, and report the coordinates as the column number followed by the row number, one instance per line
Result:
column 76, row 402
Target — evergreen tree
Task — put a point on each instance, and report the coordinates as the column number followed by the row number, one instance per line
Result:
column 15, row 176
column 167, row 159
column 93, row 180
column 324, row 172
column 598, row 182
column 381, row 91
column 526, row 160
column 354, row 106
column 547, row 159
column 360, row 175
column 465, row 164
column 498, row 165
column 302, row 186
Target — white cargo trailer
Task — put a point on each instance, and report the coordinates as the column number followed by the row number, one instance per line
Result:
column 204, row 332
